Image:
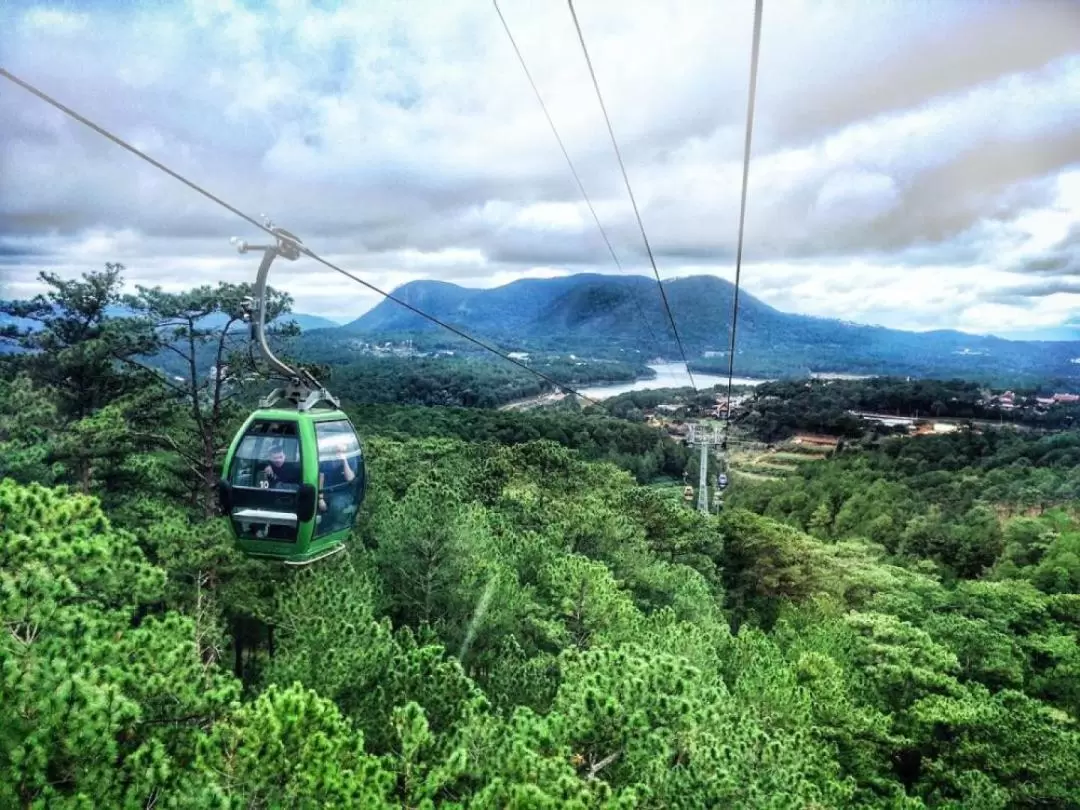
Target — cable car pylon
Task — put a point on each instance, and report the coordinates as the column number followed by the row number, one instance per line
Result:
column 705, row 440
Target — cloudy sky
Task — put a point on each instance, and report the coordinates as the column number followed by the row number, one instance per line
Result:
column 916, row 163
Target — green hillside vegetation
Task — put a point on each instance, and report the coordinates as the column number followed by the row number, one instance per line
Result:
column 777, row 410
column 468, row 382
column 923, row 496
column 516, row 625
column 645, row 452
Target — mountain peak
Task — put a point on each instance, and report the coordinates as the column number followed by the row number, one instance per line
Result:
column 601, row 313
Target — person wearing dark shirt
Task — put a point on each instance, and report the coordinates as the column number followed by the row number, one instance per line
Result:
column 336, row 471
column 278, row 472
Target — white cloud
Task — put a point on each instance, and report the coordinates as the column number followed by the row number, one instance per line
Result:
column 854, row 197
column 54, row 22
column 905, row 158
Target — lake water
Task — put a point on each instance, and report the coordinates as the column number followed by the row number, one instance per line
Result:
column 668, row 375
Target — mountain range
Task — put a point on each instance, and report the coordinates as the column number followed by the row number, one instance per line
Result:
column 605, row 314
column 305, row 322
column 623, row 317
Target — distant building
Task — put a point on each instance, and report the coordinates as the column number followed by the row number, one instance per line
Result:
column 888, row 421
column 523, row 356
column 1067, row 398
column 929, row 428
column 1006, row 401
column 721, row 406
column 815, row 440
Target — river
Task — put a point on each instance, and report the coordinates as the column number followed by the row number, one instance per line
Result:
column 668, row 375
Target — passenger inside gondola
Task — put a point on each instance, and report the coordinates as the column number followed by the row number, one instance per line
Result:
column 279, row 473
column 268, row 458
column 335, row 494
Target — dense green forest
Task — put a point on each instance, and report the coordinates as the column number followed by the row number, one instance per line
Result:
column 468, row 382
column 515, row 624
column 779, row 409
column 642, row 451
column 951, row 499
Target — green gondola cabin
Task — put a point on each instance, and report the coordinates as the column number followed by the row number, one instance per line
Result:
column 293, row 483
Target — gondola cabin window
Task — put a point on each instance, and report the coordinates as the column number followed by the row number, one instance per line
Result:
column 266, row 474
column 341, row 477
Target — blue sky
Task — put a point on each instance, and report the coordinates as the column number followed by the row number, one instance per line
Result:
column 916, row 164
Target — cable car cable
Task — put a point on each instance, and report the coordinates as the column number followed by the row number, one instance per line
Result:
column 83, row 120
column 303, row 249
column 754, row 52
column 630, row 191
column 573, row 170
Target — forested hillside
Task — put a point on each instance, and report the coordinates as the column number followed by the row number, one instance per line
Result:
column 467, row 382
column 516, row 623
column 776, row 410
column 640, row 450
